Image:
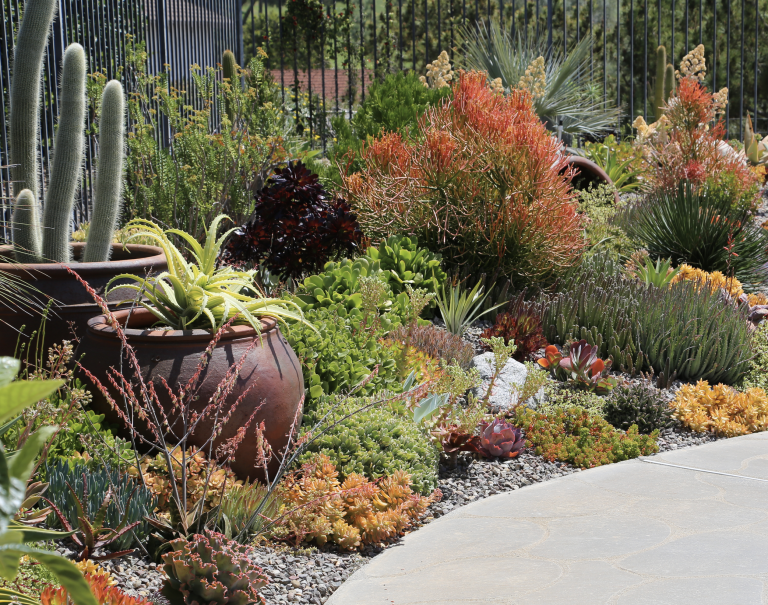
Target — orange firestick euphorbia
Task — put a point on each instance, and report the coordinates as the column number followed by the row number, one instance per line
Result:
column 483, row 181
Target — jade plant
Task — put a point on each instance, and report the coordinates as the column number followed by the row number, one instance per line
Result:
column 47, row 239
column 406, row 263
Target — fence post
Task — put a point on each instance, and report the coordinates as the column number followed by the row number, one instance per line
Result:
column 240, row 43
column 162, row 57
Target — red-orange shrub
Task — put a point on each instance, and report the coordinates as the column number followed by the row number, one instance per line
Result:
column 482, row 181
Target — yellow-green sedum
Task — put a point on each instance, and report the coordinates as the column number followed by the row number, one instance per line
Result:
column 196, row 294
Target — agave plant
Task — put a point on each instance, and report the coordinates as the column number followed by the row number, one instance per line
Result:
column 461, row 308
column 659, row 275
column 568, row 92
column 498, row 439
column 622, row 170
column 583, row 366
column 196, row 294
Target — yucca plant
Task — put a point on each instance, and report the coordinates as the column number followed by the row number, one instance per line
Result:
column 196, row 294
column 568, row 91
column 700, row 227
column 460, row 308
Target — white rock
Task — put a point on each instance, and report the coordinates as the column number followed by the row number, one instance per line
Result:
column 507, row 385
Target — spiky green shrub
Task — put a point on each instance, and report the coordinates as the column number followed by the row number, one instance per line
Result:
column 575, row 436
column 340, row 352
column 374, row 442
column 697, row 226
column 211, row 570
column 691, row 332
column 91, row 486
column 639, row 404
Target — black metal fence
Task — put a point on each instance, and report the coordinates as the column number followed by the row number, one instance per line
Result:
column 178, row 33
column 335, row 48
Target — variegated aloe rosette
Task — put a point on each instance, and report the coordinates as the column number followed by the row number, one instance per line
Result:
column 196, row 294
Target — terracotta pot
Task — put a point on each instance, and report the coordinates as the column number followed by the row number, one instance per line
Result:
column 271, row 367
column 592, row 171
column 73, row 306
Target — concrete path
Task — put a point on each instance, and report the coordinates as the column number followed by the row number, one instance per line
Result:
column 633, row 533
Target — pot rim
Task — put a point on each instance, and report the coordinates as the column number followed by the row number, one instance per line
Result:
column 98, row 326
column 145, row 256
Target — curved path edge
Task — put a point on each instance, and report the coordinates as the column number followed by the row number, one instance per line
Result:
column 693, row 529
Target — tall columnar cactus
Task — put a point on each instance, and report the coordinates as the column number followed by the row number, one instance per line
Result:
column 25, row 93
column 52, row 243
column 659, row 97
column 669, row 81
column 26, row 228
column 665, row 82
column 69, row 145
column 229, row 72
column 109, row 178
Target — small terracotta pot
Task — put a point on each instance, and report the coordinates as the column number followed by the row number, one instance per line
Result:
column 591, row 170
column 73, row 306
column 271, row 368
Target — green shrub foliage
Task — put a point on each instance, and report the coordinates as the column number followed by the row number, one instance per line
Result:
column 374, row 442
column 394, row 104
column 405, row 263
column 341, row 353
column 693, row 333
column 574, row 435
column 639, row 404
column 757, row 374
column 339, row 286
column 697, row 227
column 96, row 481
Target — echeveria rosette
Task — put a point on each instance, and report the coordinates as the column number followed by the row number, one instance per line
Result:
column 499, row 439
column 210, row 569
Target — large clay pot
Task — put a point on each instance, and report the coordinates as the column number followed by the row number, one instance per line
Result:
column 592, row 171
column 271, row 368
column 73, row 305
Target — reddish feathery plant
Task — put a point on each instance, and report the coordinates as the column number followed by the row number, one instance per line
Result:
column 687, row 144
column 166, row 432
column 483, row 182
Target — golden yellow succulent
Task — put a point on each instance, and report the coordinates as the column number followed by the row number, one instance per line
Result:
column 715, row 280
column 199, row 472
column 91, row 567
column 721, row 409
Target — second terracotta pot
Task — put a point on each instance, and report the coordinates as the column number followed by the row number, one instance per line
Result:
column 271, row 369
